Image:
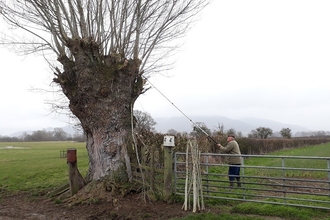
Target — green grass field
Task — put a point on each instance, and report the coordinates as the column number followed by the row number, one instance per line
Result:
column 311, row 151
column 37, row 166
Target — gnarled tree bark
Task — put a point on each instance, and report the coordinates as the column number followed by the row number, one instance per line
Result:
column 102, row 91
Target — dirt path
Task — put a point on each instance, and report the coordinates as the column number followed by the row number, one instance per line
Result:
column 22, row 206
column 131, row 207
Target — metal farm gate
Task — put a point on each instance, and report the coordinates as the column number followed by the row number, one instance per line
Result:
column 286, row 180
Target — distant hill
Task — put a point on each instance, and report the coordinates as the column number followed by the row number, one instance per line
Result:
column 244, row 125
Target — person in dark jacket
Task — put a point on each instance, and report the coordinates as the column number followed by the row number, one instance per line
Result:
column 232, row 147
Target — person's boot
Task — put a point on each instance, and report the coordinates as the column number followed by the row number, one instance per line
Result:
column 231, row 183
column 238, row 181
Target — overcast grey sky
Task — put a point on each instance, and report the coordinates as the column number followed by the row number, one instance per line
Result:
column 244, row 58
column 265, row 59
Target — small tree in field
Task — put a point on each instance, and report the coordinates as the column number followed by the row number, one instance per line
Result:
column 105, row 49
column 144, row 122
column 231, row 131
column 286, row 133
column 172, row 132
column 199, row 130
column 261, row 132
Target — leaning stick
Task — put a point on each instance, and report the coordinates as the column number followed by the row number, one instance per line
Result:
column 185, row 204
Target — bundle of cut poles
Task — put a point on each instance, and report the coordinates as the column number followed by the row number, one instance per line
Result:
column 193, row 183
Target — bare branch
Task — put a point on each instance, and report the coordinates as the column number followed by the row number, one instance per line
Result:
column 82, row 22
column 133, row 28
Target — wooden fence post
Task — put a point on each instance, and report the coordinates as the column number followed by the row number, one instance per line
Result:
column 168, row 145
column 76, row 181
column 152, row 168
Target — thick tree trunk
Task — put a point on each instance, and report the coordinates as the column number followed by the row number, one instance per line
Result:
column 102, row 91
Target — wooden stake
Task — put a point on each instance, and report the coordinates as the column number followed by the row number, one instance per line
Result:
column 76, row 181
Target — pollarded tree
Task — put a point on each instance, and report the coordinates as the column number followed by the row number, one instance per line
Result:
column 105, row 49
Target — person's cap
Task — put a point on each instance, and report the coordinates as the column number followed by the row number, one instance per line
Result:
column 231, row 135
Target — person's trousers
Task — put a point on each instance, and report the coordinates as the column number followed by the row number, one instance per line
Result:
column 234, row 171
